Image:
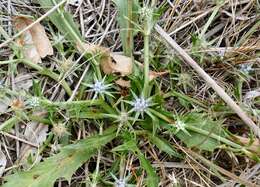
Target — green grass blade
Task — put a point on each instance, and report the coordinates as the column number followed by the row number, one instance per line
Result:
column 152, row 179
column 162, row 145
column 127, row 14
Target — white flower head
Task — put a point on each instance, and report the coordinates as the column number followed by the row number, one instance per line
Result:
column 100, row 87
column 146, row 11
column 246, row 68
column 140, row 104
column 121, row 182
column 181, row 126
column 33, row 102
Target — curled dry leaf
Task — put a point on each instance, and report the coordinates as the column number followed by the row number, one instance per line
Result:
column 34, row 42
column 122, row 64
column 154, row 74
column 3, row 162
column 110, row 62
column 253, row 146
column 123, row 83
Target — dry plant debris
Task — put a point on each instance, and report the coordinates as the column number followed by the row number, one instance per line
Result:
column 92, row 95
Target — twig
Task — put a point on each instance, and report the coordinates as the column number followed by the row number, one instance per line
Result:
column 19, row 139
column 78, row 84
column 220, row 91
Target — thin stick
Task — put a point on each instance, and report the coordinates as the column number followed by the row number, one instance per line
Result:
column 78, row 84
column 19, row 139
column 31, row 25
column 220, row 91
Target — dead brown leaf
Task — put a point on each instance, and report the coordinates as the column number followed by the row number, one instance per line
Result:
column 17, row 104
column 110, row 62
column 123, row 83
column 253, row 146
column 154, row 74
column 122, row 64
column 34, row 42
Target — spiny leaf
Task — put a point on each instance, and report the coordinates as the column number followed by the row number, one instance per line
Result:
column 152, row 179
column 63, row 164
column 63, row 21
column 162, row 145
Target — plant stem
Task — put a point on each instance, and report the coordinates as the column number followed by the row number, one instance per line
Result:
column 215, row 136
column 48, row 73
column 146, row 59
column 98, row 161
column 71, row 103
column 129, row 35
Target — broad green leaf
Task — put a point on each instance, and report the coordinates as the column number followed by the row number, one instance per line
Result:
column 63, row 21
column 163, row 145
column 194, row 122
column 62, row 165
column 127, row 15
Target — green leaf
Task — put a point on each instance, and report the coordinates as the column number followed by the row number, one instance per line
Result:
column 152, row 179
column 163, row 145
column 126, row 146
column 63, row 164
column 127, row 15
column 9, row 124
column 63, row 21
column 194, row 123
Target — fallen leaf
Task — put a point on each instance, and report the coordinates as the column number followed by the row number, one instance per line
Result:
column 154, row 74
column 253, row 146
column 91, row 48
column 110, row 62
column 3, row 162
column 123, row 83
column 35, row 133
column 34, row 42
column 122, row 64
